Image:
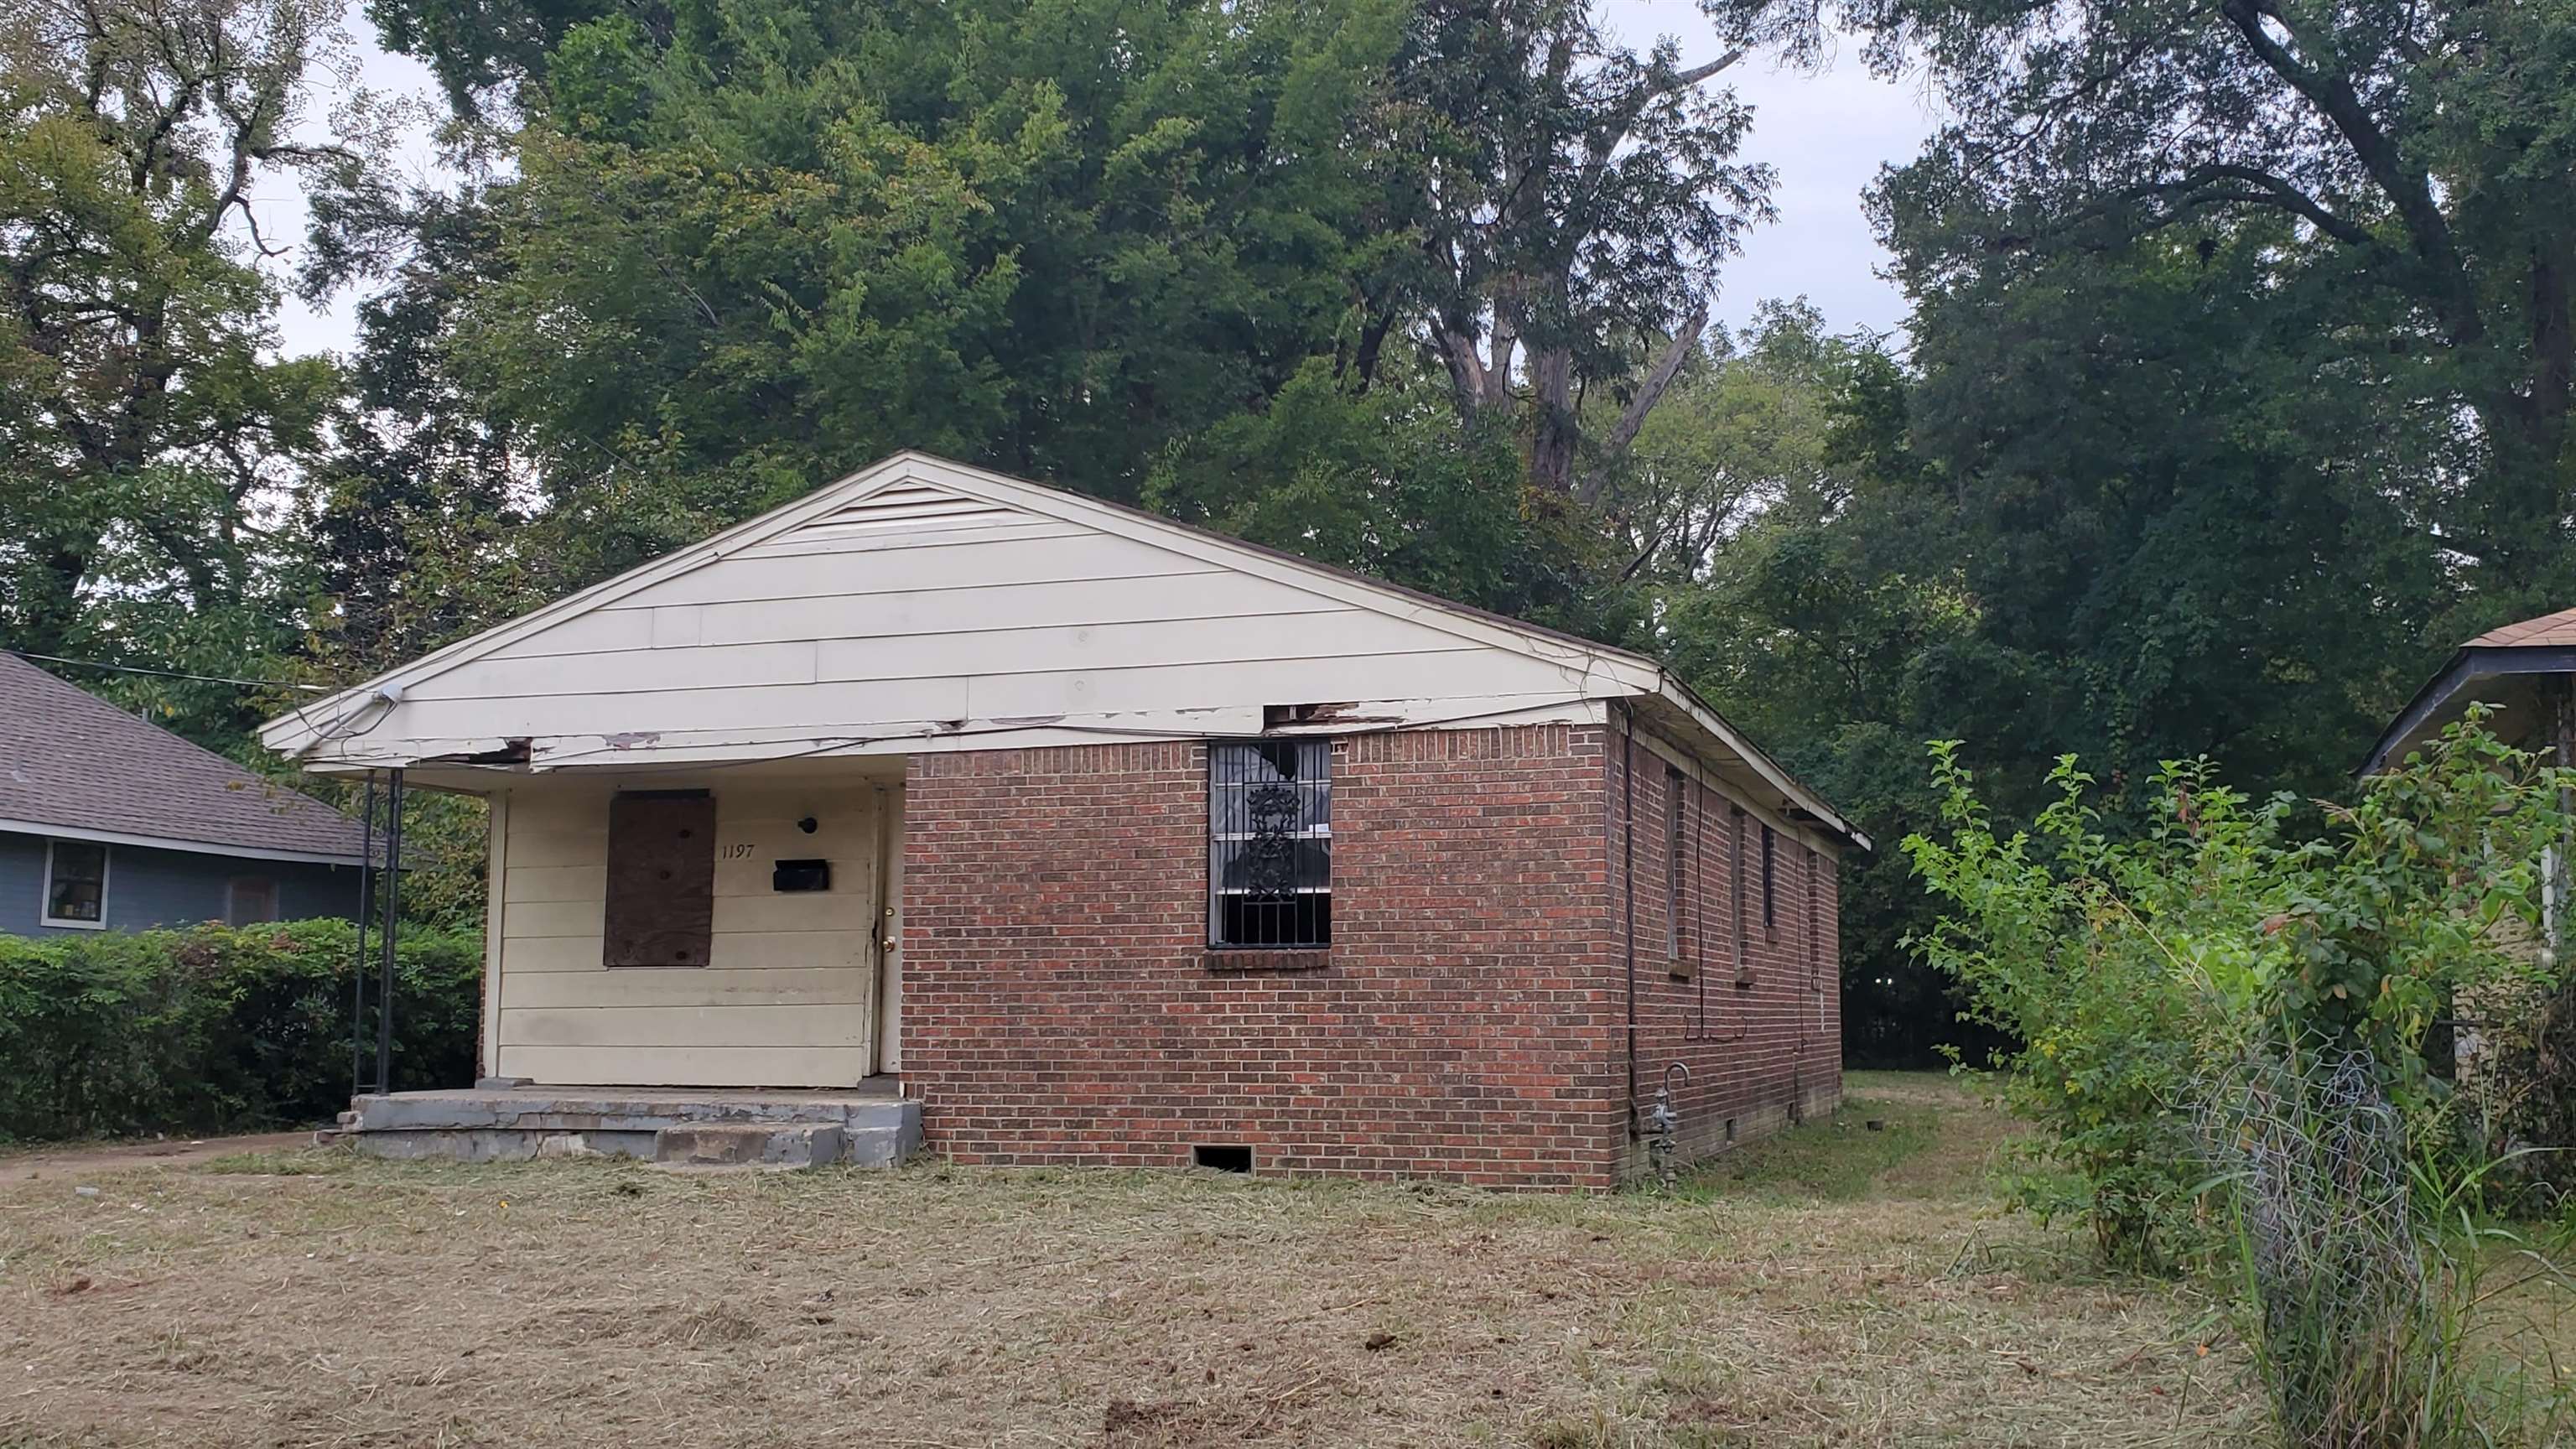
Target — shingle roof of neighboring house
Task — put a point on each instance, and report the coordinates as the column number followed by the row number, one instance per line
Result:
column 2546, row 632
column 70, row 759
column 2504, row 667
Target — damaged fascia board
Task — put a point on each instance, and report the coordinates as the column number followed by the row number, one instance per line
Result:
column 677, row 748
column 1674, row 706
column 672, row 749
column 1468, row 712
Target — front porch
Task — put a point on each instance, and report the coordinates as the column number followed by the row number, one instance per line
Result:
column 506, row 1119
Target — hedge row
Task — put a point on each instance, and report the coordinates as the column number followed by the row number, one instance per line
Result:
column 212, row 1029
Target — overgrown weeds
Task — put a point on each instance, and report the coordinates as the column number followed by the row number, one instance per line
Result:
column 2228, row 984
column 2362, row 1265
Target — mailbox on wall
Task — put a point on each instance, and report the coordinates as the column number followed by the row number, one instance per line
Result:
column 801, row 875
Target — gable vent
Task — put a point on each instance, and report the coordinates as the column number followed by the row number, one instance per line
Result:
column 901, row 508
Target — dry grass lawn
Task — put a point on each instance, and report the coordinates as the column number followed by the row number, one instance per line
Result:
column 1836, row 1286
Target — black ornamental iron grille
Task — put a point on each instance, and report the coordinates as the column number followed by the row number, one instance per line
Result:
column 1270, row 844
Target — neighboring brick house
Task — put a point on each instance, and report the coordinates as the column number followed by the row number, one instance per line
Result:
column 1109, row 841
column 109, row 822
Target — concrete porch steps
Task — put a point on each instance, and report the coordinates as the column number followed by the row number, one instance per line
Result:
column 747, row 1144
column 503, row 1121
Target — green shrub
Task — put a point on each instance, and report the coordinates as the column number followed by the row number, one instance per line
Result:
column 2136, row 972
column 213, row 1029
column 2222, row 1030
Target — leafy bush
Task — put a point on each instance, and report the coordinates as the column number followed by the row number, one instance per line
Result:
column 2136, row 973
column 2223, row 1023
column 213, row 1029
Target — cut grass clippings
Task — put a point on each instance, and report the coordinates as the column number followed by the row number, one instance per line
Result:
column 1845, row 1290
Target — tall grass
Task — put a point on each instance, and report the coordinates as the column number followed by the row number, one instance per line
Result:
column 2363, row 1265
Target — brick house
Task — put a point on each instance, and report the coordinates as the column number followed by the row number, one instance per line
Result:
column 1063, row 833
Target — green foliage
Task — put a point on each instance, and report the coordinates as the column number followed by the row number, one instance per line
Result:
column 213, row 1029
column 2105, row 508
column 2401, row 166
column 149, row 439
column 2103, row 1027
column 778, row 239
column 2131, row 973
column 1387, row 483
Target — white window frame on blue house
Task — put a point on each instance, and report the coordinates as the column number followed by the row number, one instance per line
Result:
column 106, row 870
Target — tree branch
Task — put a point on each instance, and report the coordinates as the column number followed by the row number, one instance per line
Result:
column 2412, row 195
column 1651, row 391
column 2280, row 193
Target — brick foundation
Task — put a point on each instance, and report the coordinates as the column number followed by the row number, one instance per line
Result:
column 1468, row 1022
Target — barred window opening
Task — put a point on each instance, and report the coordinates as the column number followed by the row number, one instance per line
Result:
column 1270, row 844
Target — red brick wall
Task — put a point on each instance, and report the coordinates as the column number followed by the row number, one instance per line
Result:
column 1060, row 1005
column 1759, row 1029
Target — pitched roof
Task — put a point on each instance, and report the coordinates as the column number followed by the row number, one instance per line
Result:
column 918, row 491
column 2500, row 667
column 2549, row 631
column 70, row 759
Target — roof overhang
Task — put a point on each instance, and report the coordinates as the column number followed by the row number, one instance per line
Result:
column 168, row 842
column 329, row 735
column 2506, row 676
column 1673, row 703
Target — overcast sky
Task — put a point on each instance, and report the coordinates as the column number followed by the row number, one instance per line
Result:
column 1827, row 134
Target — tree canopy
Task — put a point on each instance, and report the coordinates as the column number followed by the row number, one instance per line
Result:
column 2234, row 390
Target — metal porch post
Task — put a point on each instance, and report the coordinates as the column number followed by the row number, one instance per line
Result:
column 358, row 967
column 393, row 908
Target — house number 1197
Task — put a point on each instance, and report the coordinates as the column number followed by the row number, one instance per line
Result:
column 737, row 852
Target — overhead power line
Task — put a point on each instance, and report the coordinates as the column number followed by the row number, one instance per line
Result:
column 173, row 673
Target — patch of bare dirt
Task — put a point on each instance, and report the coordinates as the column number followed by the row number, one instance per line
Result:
column 54, row 1164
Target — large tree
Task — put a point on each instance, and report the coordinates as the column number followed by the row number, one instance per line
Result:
column 2416, row 157
column 2141, row 504
column 1060, row 235
column 745, row 255
column 149, row 440
column 1573, row 199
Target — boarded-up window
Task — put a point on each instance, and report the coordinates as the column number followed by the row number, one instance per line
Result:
column 661, row 877
column 1770, row 897
column 250, row 900
column 1735, row 889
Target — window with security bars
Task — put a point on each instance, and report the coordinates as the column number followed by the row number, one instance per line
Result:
column 1270, row 844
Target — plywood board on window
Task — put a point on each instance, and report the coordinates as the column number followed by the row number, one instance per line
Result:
column 661, row 878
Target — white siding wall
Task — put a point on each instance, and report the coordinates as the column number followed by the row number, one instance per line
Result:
column 957, row 626
column 784, row 998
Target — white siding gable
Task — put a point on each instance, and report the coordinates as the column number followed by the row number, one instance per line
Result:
column 924, row 605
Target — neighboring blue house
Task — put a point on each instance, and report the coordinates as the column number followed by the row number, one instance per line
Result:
column 108, row 822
